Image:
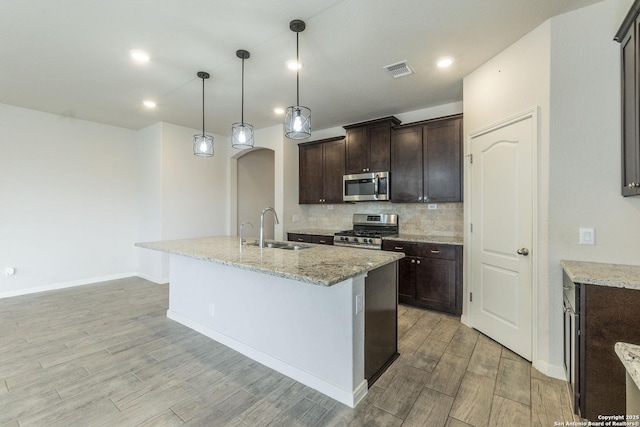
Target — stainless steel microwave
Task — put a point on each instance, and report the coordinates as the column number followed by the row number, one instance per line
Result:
column 366, row 186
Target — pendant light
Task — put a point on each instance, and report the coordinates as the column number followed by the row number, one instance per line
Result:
column 297, row 121
column 202, row 143
column 242, row 133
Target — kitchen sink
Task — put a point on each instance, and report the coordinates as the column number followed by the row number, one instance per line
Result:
column 282, row 245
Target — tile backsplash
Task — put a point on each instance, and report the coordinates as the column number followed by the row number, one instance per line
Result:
column 414, row 218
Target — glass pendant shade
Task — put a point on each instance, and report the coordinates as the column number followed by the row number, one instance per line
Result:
column 242, row 136
column 242, row 133
column 203, row 145
column 297, row 122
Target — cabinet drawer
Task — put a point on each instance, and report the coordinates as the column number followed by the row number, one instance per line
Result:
column 408, row 248
column 322, row 240
column 430, row 250
column 295, row 237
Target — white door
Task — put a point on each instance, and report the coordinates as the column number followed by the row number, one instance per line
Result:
column 502, row 194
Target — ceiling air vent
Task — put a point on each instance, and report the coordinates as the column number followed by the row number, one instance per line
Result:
column 399, row 69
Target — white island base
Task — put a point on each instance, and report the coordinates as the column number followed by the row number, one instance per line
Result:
column 311, row 333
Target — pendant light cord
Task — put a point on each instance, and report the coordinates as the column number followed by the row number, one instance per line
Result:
column 297, row 69
column 242, row 98
column 203, row 107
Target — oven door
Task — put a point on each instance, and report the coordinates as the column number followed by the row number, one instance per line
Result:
column 366, row 187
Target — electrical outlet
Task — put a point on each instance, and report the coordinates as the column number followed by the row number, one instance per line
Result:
column 587, row 236
column 432, row 206
column 295, row 218
column 9, row 271
column 330, row 207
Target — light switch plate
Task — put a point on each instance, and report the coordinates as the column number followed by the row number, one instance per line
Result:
column 587, row 236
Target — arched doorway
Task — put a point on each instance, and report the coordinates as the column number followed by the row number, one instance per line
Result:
column 256, row 190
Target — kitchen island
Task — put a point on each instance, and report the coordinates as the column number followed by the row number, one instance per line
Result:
column 300, row 312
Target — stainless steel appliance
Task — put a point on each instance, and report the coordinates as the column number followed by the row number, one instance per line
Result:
column 366, row 187
column 368, row 230
column 571, row 349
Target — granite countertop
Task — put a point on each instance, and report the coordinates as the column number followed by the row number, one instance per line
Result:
column 315, row 232
column 595, row 273
column 629, row 354
column 422, row 238
column 320, row 264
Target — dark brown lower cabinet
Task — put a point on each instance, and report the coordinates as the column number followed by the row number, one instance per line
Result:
column 310, row 238
column 430, row 275
column 603, row 316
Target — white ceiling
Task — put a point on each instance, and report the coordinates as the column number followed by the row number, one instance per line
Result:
column 71, row 57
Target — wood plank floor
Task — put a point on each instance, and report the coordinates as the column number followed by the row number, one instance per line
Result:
column 106, row 355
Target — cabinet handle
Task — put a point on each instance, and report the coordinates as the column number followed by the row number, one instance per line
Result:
column 418, row 262
column 398, row 248
column 434, row 251
column 323, row 241
column 300, row 239
column 420, row 198
column 633, row 184
column 413, row 261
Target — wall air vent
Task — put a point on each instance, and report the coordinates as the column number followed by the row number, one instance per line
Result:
column 399, row 69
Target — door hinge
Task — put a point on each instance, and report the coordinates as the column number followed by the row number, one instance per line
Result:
column 471, row 296
column 471, row 227
column 578, row 332
column 470, row 156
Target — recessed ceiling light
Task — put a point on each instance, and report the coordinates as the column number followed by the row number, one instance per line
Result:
column 149, row 104
column 278, row 110
column 444, row 62
column 140, row 56
column 293, row 65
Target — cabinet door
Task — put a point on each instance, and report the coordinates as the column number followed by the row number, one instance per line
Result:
column 357, row 156
column 442, row 145
column 310, row 174
column 333, row 170
column 406, row 165
column 630, row 140
column 379, row 136
column 436, row 283
column 407, row 279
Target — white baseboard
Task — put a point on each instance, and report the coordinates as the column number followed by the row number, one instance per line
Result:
column 62, row 285
column 154, row 279
column 350, row 399
column 554, row 371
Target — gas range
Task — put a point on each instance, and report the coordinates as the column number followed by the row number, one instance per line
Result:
column 368, row 231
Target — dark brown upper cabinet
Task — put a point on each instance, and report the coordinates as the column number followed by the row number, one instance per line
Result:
column 368, row 146
column 320, row 171
column 426, row 161
column 628, row 36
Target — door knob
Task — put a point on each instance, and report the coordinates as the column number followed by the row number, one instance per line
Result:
column 523, row 251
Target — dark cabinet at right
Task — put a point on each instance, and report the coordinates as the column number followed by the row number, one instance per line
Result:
column 426, row 161
column 430, row 275
column 628, row 36
column 596, row 317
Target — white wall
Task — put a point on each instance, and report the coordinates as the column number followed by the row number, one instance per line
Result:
column 570, row 68
column 509, row 84
column 68, row 207
column 180, row 195
column 585, row 165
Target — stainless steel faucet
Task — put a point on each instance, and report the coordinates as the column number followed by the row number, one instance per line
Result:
column 275, row 215
column 241, row 227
